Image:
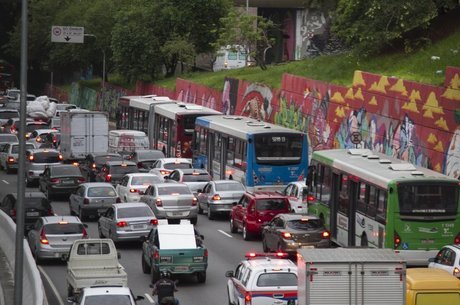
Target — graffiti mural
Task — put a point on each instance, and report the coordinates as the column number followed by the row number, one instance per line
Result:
column 189, row 92
column 256, row 102
column 311, row 33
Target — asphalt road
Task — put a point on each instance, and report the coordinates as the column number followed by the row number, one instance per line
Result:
column 225, row 251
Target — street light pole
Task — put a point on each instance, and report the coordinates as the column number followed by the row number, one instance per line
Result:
column 247, row 6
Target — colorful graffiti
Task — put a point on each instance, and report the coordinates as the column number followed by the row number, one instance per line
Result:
column 311, row 33
column 198, row 94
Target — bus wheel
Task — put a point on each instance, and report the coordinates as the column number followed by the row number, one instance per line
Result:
column 364, row 241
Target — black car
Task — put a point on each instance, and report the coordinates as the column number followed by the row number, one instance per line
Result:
column 60, row 179
column 144, row 158
column 93, row 163
column 114, row 171
column 36, row 205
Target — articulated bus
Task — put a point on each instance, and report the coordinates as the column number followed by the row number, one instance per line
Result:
column 171, row 127
column 262, row 156
column 133, row 111
column 370, row 199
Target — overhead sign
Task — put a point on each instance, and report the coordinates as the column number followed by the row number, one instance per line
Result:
column 69, row 34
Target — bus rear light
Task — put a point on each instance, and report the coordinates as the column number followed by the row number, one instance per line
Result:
column 158, row 202
column 457, row 239
column 326, row 235
column 215, row 197
column 397, row 240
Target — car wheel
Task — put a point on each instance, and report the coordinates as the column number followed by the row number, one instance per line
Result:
column 233, row 228
column 8, row 169
column 200, row 210
column 100, row 231
column 69, row 291
column 48, row 194
column 210, row 213
column 194, row 221
column 145, row 267
column 246, row 235
column 37, row 257
column 264, row 245
column 155, row 274
column 27, row 182
column 81, row 215
column 201, row 277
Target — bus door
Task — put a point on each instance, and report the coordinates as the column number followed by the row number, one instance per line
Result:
column 353, row 197
column 210, row 156
column 333, row 205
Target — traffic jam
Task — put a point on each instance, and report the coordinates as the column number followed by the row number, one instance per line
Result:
column 190, row 206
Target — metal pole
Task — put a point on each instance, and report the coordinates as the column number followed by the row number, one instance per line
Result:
column 52, row 84
column 103, row 70
column 247, row 6
column 19, row 257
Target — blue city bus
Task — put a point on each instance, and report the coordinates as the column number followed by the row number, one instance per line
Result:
column 261, row 155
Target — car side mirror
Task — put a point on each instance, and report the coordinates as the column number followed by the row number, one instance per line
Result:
column 72, row 300
column 199, row 191
column 65, row 257
column 201, row 236
column 166, row 177
column 229, row 273
column 139, row 298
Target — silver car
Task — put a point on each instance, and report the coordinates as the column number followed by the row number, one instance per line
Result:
column 195, row 178
column 9, row 156
column 126, row 221
column 218, row 196
column 173, row 201
column 92, row 199
column 37, row 160
column 53, row 236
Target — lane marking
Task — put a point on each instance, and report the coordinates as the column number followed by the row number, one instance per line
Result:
column 50, row 282
column 149, row 298
column 225, row 233
column 5, row 181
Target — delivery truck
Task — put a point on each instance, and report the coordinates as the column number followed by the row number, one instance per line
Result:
column 350, row 276
column 82, row 133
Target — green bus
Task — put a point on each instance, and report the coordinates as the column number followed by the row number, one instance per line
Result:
column 372, row 200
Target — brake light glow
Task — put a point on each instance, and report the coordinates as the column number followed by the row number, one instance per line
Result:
column 133, row 191
column 310, row 198
column 55, row 180
column 397, row 240
column 93, row 165
column 62, row 222
column 61, row 157
column 43, row 239
column 10, row 160
column 154, row 222
column 86, row 201
column 85, row 234
column 75, row 164
column 194, row 201
column 38, row 139
column 31, row 157
column 81, row 180
column 118, row 200
column 326, row 235
column 156, row 255
column 122, row 224
column 247, row 299
column 163, row 172
column 286, row 235
column 457, row 239
column 108, row 177
column 250, row 255
column 215, row 197
column 158, row 202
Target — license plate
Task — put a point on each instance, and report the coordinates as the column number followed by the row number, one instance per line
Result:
column 101, row 210
column 181, row 268
column 32, row 213
column 178, row 213
column 138, row 226
column 67, row 182
column 427, row 241
column 307, row 247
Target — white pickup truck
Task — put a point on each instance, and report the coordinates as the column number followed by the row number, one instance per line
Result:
column 93, row 262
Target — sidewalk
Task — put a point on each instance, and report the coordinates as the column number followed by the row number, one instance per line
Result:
column 6, row 281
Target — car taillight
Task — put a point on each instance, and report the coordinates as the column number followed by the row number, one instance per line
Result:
column 397, row 240
column 205, row 254
column 247, row 299
column 61, row 157
column 456, row 272
column 140, row 165
column 108, row 177
column 310, row 198
column 50, row 212
column 158, row 202
column 154, row 222
column 156, row 255
column 93, row 165
column 13, row 213
column 163, row 172
column 86, row 201
column 286, row 235
column 194, row 201
column 38, row 139
column 118, row 200
column 54, row 180
column 85, row 234
column 133, row 191
column 10, row 160
column 326, row 235
column 122, row 224
column 43, row 239
column 457, row 239
column 81, row 180
column 215, row 197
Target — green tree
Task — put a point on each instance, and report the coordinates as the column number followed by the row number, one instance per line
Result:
column 175, row 50
column 249, row 31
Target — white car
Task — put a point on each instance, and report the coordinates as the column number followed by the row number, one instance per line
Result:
column 107, row 295
column 132, row 186
column 297, row 193
column 164, row 166
column 38, row 136
column 448, row 259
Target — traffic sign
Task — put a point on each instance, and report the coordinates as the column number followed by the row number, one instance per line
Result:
column 69, row 34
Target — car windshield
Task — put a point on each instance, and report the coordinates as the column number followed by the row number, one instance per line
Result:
column 102, row 191
column 270, row 204
column 103, row 159
column 15, row 148
column 8, row 138
column 32, row 127
column 150, row 155
column 9, row 114
column 304, row 224
column 196, row 177
column 123, row 169
column 178, row 165
column 108, row 299
column 46, row 157
column 34, row 202
column 134, row 212
column 277, row 279
column 145, row 180
column 64, row 227
column 174, row 190
column 222, row 187
column 65, row 171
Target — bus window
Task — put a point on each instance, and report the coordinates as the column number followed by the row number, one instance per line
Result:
column 217, row 146
column 382, row 207
column 343, row 194
column 231, row 151
column 325, row 182
column 270, row 148
column 362, row 205
column 372, row 201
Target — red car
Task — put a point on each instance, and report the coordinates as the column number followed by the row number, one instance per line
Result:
column 256, row 209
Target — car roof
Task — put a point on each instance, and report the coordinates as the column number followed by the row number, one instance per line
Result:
column 57, row 219
column 170, row 184
column 268, row 262
column 129, row 204
column 106, row 290
column 115, row 163
column 97, row 184
column 294, row 216
column 175, row 160
column 265, row 194
column 192, row 170
column 37, row 150
column 29, row 195
column 98, row 154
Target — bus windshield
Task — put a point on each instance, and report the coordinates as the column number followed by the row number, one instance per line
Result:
column 278, row 149
column 428, row 199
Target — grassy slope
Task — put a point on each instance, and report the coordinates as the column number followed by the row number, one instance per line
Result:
column 339, row 69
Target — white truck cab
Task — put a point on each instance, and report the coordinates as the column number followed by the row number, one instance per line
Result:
column 263, row 279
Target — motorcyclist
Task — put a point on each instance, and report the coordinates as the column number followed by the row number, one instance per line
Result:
column 165, row 288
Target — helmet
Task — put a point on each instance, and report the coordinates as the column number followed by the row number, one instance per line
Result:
column 165, row 274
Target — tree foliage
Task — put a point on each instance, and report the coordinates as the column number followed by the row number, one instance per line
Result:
column 248, row 31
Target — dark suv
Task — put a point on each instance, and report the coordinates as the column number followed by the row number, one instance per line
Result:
column 35, row 205
column 114, row 171
column 256, row 209
column 93, row 162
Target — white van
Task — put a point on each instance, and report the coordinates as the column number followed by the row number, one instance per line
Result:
column 230, row 57
column 122, row 140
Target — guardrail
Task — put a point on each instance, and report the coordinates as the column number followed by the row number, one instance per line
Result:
column 33, row 292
